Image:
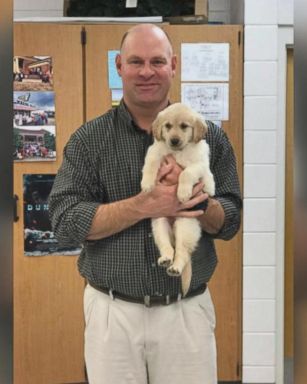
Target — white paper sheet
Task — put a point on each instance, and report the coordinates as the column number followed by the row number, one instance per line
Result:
column 131, row 3
column 211, row 100
column 205, row 62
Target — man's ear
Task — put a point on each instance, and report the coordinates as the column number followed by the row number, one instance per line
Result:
column 174, row 64
column 118, row 63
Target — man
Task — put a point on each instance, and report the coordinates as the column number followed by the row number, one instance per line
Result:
column 138, row 329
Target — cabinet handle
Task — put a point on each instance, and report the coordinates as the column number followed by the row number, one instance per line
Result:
column 16, row 217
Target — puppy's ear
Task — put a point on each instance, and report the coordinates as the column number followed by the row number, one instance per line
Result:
column 200, row 129
column 157, row 127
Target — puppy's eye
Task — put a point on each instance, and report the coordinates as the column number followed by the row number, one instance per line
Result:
column 168, row 126
column 183, row 126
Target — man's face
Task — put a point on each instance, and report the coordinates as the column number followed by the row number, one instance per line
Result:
column 147, row 66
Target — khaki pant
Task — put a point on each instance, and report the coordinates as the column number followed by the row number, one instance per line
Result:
column 128, row 343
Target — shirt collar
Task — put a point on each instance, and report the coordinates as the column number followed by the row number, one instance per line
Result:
column 126, row 116
column 123, row 111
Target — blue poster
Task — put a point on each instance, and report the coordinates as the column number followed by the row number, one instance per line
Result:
column 115, row 81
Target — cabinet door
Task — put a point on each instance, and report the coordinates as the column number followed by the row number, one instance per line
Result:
column 48, row 291
column 226, row 282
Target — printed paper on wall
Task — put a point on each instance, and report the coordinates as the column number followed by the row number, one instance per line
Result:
column 205, row 62
column 211, row 100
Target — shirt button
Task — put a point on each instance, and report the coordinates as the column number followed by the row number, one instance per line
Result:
column 149, row 234
column 153, row 265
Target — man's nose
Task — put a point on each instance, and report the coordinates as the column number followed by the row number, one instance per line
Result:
column 146, row 70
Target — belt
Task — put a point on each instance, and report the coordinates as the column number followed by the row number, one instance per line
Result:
column 147, row 300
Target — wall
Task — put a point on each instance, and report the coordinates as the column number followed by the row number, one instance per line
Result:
column 268, row 28
column 264, row 177
column 219, row 11
column 36, row 8
column 260, row 166
column 226, row 11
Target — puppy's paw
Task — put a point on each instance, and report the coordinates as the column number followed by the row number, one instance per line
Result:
column 210, row 186
column 147, row 184
column 165, row 261
column 148, row 188
column 174, row 271
column 166, row 258
column 184, row 192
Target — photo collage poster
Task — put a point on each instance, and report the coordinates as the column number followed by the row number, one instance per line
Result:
column 33, row 109
column 39, row 240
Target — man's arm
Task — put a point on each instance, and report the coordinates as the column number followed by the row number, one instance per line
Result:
column 213, row 218
column 160, row 202
column 77, row 213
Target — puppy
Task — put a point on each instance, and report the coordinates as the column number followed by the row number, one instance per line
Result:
column 179, row 131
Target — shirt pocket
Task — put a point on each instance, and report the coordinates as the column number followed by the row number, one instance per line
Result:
column 119, row 180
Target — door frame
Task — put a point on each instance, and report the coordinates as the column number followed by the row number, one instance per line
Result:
column 285, row 40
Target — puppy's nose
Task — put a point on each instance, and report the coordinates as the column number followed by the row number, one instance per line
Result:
column 175, row 141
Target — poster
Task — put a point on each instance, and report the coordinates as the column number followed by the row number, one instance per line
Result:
column 39, row 239
column 117, row 95
column 211, row 100
column 32, row 73
column 34, row 126
column 115, row 81
column 205, row 62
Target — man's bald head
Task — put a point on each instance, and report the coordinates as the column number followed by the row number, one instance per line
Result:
column 143, row 30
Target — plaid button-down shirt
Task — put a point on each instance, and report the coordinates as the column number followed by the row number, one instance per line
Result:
column 103, row 163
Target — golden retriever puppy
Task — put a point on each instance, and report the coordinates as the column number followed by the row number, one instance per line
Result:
column 179, row 131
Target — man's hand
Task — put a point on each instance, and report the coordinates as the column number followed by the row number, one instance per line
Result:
column 162, row 201
column 169, row 171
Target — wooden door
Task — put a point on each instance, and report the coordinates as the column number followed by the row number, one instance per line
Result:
column 48, row 291
column 226, row 284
